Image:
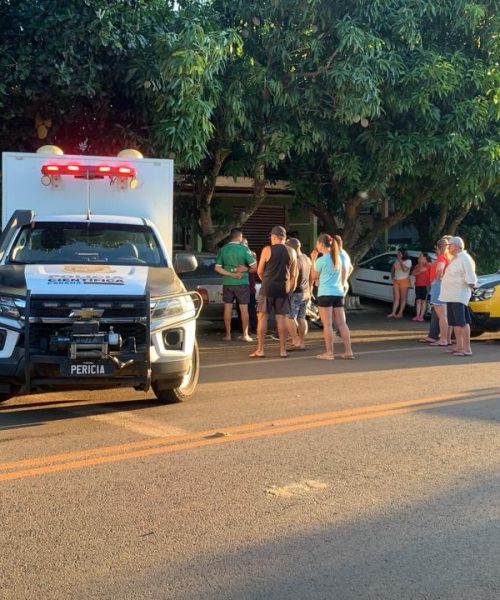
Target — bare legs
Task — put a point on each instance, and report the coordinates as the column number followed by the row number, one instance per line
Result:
column 345, row 334
column 282, row 332
column 444, row 330
column 399, row 295
column 297, row 330
column 462, row 335
column 281, row 326
column 326, row 316
column 228, row 314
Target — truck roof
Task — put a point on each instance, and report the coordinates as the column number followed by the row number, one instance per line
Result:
column 112, row 219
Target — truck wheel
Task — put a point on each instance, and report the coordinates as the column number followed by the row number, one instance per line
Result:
column 188, row 385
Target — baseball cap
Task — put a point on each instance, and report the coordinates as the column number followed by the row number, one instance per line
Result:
column 278, row 231
column 457, row 241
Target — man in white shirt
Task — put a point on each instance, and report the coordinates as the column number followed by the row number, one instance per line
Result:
column 457, row 284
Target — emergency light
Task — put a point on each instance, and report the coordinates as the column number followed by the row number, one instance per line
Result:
column 88, row 171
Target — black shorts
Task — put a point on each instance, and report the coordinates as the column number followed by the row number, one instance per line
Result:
column 458, row 314
column 240, row 293
column 420, row 292
column 269, row 304
column 331, row 301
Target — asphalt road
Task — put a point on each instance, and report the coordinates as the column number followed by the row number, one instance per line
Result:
column 281, row 479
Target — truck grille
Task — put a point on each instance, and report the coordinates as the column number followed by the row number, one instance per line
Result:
column 122, row 314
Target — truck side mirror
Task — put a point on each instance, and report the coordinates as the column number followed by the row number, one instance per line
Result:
column 185, row 262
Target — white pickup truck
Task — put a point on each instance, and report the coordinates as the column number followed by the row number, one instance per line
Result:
column 89, row 297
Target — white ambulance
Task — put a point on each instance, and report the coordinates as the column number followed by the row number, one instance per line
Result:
column 89, row 297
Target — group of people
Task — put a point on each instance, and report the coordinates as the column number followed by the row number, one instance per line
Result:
column 452, row 278
column 288, row 277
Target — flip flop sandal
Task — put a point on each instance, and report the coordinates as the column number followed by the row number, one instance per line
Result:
column 255, row 355
column 347, row 356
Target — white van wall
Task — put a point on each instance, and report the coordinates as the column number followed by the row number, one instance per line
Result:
column 151, row 199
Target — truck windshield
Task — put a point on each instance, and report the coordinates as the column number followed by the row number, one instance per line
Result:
column 82, row 243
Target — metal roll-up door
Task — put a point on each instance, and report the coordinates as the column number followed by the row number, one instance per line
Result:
column 258, row 227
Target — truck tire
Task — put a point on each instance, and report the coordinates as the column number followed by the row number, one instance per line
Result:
column 188, row 385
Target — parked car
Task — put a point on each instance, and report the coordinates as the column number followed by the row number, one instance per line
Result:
column 372, row 278
column 485, row 305
column 208, row 284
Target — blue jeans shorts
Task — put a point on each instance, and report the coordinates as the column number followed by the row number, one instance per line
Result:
column 298, row 306
column 435, row 291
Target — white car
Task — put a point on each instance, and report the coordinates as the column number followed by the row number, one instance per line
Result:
column 372, row 277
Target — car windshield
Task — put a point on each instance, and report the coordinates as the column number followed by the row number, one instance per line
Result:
column 82, row 243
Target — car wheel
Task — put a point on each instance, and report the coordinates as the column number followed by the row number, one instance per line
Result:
column 188, row 385
column 476, row 333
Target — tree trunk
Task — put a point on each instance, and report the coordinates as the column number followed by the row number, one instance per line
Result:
column 259, row 195
column 439, row 227
column 204, row 192
column 366, row 241
column 350, row 233
column 455, row 223
column 328, row 219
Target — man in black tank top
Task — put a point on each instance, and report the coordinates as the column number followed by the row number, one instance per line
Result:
column 278, row 271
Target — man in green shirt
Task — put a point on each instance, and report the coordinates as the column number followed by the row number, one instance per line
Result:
column 233, row 263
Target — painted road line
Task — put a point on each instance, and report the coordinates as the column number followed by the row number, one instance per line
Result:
column 145, row 448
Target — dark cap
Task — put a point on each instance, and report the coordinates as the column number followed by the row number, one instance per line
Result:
column 278, row 231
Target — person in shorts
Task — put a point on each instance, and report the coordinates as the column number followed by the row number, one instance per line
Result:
column 331, row 273
column 422, row 273
column 278, row 272
column 438, row 269
column 299, row 298
column 400, row 283
column 233, row 263
column 456, row 289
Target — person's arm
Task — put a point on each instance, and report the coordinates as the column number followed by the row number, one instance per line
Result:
column 404, row 267
column 220, row 269
column 315, row 265
column 440, row 267
column 264, row 258
column 469, row 272
column 294, row 271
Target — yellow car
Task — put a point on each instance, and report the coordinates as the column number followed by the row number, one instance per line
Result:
column 485, row 305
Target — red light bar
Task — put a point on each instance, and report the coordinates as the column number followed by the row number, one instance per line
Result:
column 50, row 169
column 90, row 171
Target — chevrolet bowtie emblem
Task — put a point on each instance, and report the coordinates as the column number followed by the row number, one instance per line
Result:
column 86, row 313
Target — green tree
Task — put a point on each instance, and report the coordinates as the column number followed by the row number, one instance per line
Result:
column 63, row 66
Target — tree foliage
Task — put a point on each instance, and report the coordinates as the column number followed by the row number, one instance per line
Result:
column 355, row 103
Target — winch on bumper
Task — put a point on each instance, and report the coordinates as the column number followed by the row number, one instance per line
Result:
column 87, row 342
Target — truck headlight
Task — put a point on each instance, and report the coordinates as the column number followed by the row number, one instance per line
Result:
column 168, row 307
column 9, row 307
column 482, row 294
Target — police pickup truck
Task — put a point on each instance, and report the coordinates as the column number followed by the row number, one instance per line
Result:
column 89, row 297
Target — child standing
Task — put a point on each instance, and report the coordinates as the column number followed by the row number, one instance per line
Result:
column 422, row 273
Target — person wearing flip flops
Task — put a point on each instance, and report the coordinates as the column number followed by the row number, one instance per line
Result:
column 457, row 284
column 438, row 269
column 233, row 263
column 331, row 273
column 299, row 298
column 278, row 272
